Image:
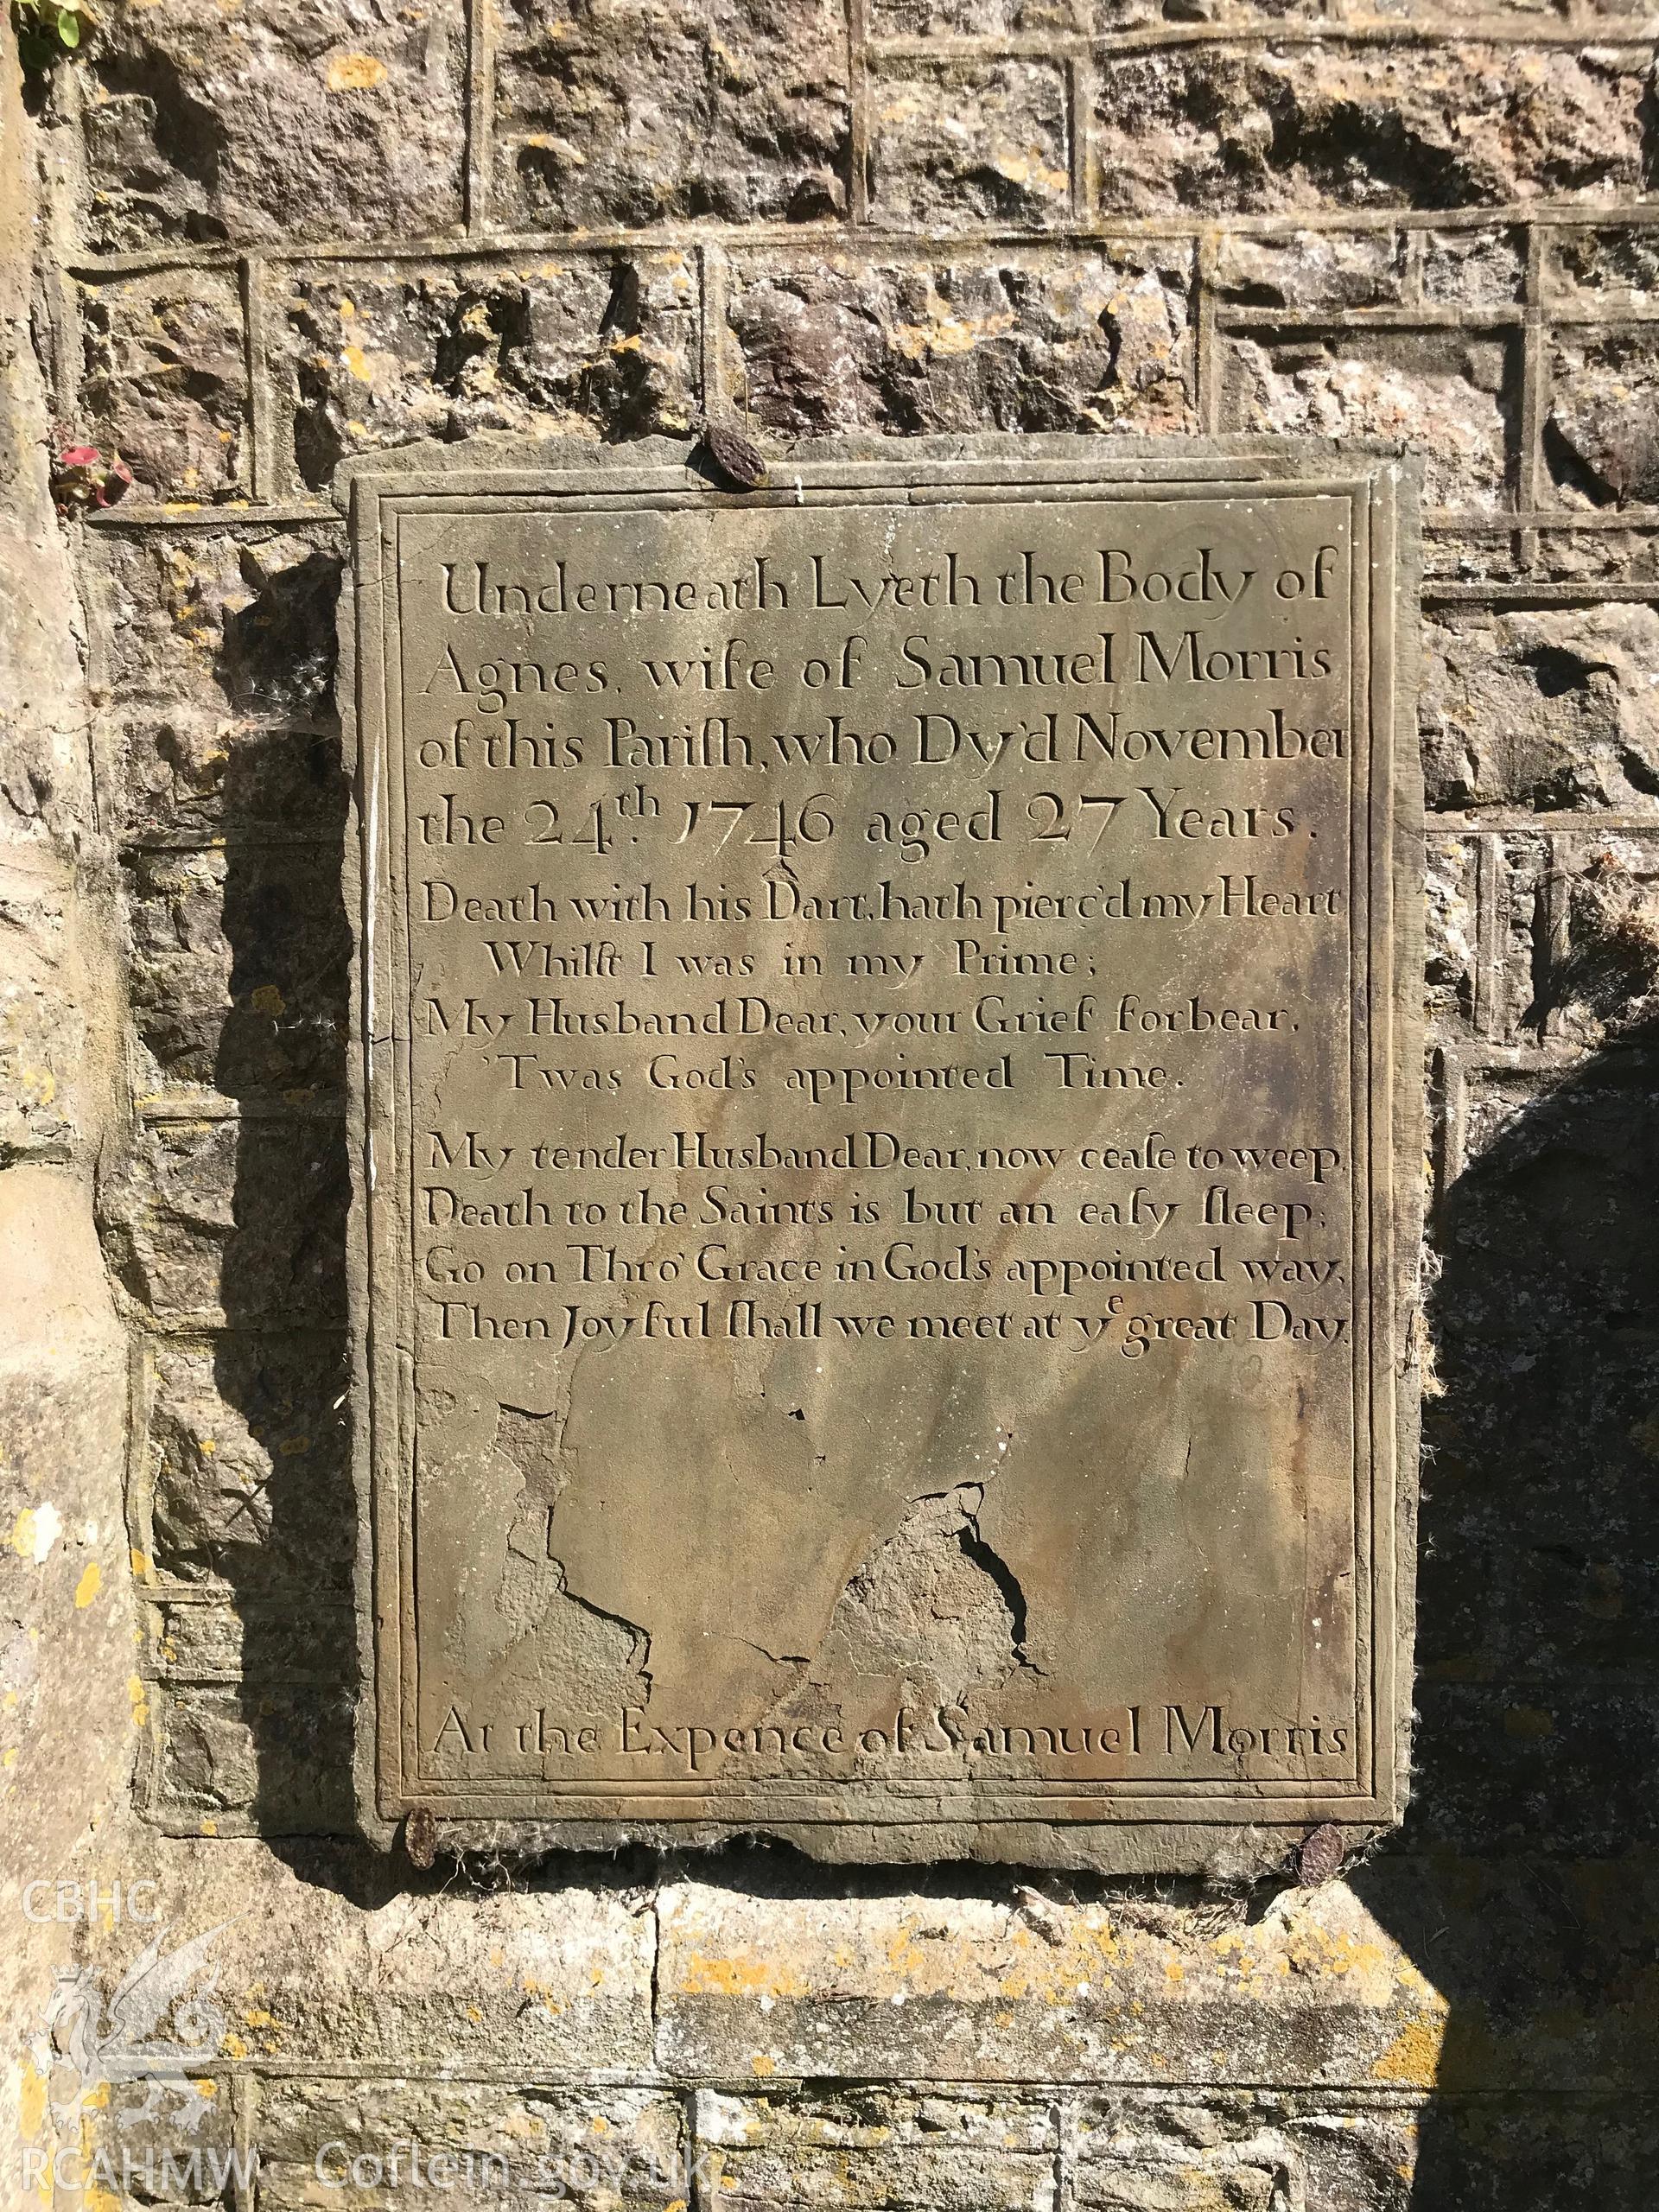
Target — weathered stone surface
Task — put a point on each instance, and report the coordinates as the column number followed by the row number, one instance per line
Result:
column 221, row 626
column 47, row 1104
column 990, row 18
column 878, row 2149
column 1599, row 440
column 1328, row 126
column 1451, row 929
column 999, row 1990
column 1604, row 978
column 242, row 1214
column 1453, row 397
column 1095, row 342
column 382, row 1971
column 1599, row 556
column 591, row 344
column 192, row 776
column 249, row 1471
column 238, row 972
column 1473, row 268
column 980, row 143
column 612, row 114
column 1612, row 265
column 1161, row 2174
column 166, row 382
column 1545, row 1240
column 285, row 119
column 204, row 1637
column 1543, row 710
column 67, row 1717
column 1312, row 268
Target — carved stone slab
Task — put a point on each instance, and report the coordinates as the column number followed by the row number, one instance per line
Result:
column 888, row 1149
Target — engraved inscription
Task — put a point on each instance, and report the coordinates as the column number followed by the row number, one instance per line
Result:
column 882, row 1008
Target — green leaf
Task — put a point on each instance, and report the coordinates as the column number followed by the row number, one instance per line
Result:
column 69, row 27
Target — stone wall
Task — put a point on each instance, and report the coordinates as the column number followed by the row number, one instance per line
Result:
column 273, row 234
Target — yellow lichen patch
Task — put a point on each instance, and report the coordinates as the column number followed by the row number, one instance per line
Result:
column 357, row 362
column 142, row 1565
column 1413, row 2059
column 736, row 1977
column 232, row 2045
column 1021, row 168
column 355, row 72
column 1605, row 1597
column 1528, row 1722
column 945, row 333
column 91, row 1582
column 760, row 2063
column 268, row 1000
column 31, row 2099
column 904, row 1955
column 139, row 1700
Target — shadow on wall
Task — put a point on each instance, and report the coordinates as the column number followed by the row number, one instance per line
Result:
column 1525, row 1886
column 282, row 1363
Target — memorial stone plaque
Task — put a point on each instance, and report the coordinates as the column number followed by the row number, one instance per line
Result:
column 886, row 1146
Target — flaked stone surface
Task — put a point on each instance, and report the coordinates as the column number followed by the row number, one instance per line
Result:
column 1543, row 710
column 1456, row 394
column 166, row 382
column 221, row 1217
column 1599, row 440
column 227, row 627
column 283, row 119
column 966, row 1994
column 609, row 113
column 1324, row 126
column 579, row 344
column 1097, row 342
column 977, row 143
